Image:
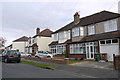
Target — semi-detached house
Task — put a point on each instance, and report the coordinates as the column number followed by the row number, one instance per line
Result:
column 20, row 44
column 85, row 37
column 40, row 41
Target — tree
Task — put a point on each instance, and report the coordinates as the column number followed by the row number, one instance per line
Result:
column 2, row 42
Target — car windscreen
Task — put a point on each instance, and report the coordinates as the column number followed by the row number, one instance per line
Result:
column 13, row 53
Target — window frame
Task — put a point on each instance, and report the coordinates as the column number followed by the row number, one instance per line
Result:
column 91, row 29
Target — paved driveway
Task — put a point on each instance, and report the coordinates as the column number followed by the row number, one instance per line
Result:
column 94, row 64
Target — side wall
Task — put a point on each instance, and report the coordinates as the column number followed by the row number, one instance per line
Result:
column 20, row 46
column 43, row 43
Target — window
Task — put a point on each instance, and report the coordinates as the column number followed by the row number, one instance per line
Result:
column 29, row 41
column 59, row 49
column 33, row 40
column 102, row 42
column 75, row 32
column 55, row 37
column 91, row 29
column 108, row 41
column 81, row 31
column 77, row 48
column 61, row 35
column 115, row 41
column 110, row 25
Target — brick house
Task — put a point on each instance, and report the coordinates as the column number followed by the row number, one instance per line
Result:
column 39, row 41
column 85, row 37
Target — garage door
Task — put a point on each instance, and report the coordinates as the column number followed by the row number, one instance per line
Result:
column 110, row 50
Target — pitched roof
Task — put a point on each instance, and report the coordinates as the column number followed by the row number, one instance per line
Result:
column 56, row 42
column 24, row 38
column 45, row 33
column 97, row 17
column 65, row 28
column 102, row 36
column 91, row 19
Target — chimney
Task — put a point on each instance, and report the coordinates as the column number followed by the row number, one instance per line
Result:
column 37, row 31
column 76, row 18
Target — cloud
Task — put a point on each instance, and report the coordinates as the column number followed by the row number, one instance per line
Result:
column 21, row 18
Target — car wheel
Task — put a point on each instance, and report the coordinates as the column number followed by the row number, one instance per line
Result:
column 18, row 61
column 6, row 61
column 29, row 56
column 48, row 56
column 36, row 57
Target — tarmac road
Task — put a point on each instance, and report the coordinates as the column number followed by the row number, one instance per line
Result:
column 20, row 70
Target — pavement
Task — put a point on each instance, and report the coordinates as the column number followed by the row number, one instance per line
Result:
column 87, row 69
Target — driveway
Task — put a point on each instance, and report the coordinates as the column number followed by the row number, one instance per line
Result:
column 94, row 64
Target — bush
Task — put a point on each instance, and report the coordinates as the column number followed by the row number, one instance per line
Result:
column 65, row 54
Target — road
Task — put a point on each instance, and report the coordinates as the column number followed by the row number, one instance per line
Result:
column 20, row 70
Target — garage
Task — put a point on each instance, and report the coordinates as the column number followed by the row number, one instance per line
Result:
column 110, row 47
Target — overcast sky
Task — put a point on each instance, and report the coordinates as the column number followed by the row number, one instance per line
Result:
column 23, row 17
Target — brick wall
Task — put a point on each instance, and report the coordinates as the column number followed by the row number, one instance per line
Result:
column 116, row 62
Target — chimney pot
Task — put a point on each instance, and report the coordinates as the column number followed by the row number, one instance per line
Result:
column 76, row 18
column 37, row 31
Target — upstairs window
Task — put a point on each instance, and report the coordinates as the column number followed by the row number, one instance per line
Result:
column 91, row 30
column 55, row 37
column 61, row 35
column 75, row 32
column 81, row 31
column 110, row 25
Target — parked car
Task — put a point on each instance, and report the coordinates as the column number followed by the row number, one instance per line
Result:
column 51, row 53
column 43, row 54
column 11, row 56
column 0, row 55
column 25, row 54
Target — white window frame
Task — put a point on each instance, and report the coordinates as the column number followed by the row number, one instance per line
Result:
column 75, row 32
column 61, row 35
column 110, row 25
column 81, row 31
column 76, row 48
column 110, row 43
column 91, row 29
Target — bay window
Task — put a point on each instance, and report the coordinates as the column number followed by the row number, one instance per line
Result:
column 77, row 48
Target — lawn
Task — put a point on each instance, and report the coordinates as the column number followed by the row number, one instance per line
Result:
column 39, row 65
column 73, row 61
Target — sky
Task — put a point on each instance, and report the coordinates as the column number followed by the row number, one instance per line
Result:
column 21, row 17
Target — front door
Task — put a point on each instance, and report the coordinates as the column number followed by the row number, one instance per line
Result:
column 90, row 51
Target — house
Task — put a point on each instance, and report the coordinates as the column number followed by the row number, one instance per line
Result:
column 9, row 47
column 90, row 35
column 39, row 41
column 20, row 44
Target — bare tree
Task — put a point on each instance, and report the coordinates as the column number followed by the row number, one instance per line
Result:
column 2, row 42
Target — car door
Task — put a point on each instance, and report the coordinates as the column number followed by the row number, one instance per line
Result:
column 40, row 53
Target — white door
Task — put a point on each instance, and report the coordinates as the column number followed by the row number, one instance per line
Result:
column 90, row 51
column 110, row 50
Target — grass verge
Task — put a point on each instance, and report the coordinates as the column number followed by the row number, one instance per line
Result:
column 74, row 61
column 40, row 65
